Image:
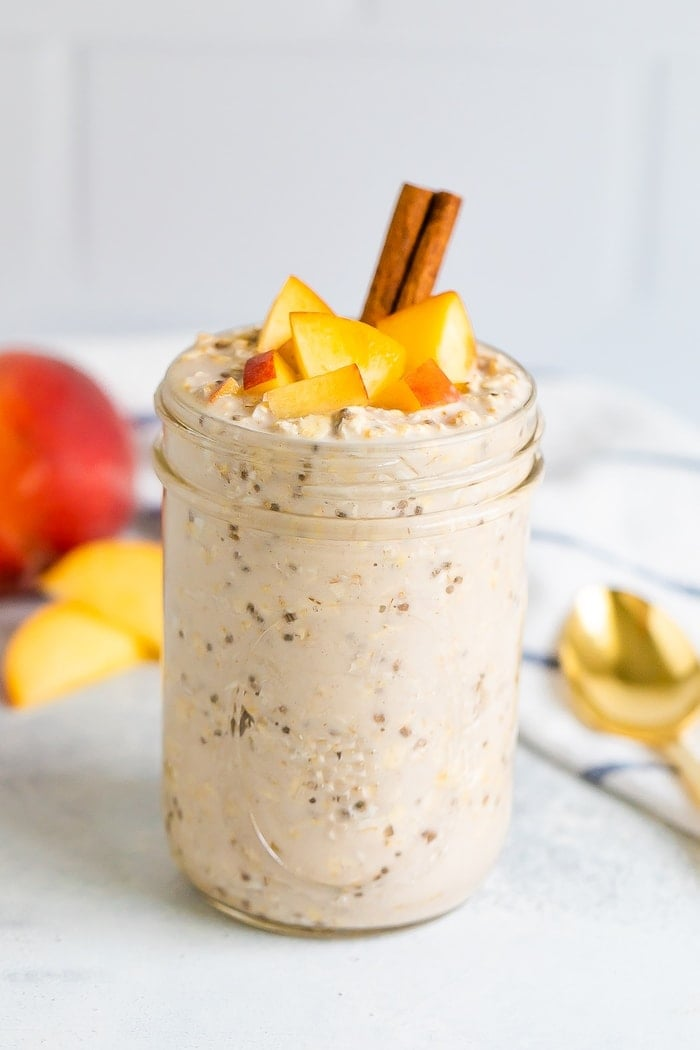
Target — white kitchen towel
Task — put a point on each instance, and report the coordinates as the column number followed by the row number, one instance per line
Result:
column 619, row 505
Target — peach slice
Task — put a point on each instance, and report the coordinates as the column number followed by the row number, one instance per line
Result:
column 324, row 343
column 424, row 387
column 62, row 647
column 294, row 295
column 266, row 371
column 229, row 388
column 437, row 328
column 322, row 394
column 397, row 395
column 119, row 580
column 287, row 352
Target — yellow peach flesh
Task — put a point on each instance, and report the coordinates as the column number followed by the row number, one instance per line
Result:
column 62, row 647
column 120, row 580
column 294, row 295
column 229, row 388
column 438, row 328
column 324, row 343
column 320, row 394
column 397, row 395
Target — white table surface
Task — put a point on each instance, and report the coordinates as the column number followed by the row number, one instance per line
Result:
column 587, row 935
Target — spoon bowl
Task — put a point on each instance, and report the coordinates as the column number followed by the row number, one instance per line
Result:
column 632, row 671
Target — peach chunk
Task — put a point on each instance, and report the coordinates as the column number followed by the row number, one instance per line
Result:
column 322, row 394
column 324, row 343
column 228, row 388
column 66, row 463
column 424, row 387
column 437, row 328
column 119, row 580
column 294, row 295
column 266, row 371
column 61, row 647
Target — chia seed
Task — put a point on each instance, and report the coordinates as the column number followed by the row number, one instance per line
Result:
column 250, row 608
column 246, row 722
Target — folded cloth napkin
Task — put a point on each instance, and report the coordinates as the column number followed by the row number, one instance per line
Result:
column 620, row 505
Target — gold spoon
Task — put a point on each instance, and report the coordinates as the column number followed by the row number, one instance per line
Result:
column 632, row 671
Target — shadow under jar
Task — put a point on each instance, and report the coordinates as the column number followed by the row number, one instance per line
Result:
column 343, row 634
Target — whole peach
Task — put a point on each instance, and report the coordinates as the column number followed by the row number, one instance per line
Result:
column 66, row 463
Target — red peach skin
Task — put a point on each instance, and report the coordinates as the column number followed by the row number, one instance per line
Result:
column 66, row 463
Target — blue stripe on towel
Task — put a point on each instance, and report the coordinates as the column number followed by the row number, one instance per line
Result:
column 594, row 774
column 562, row 539
column 144, row 419
column 541, row 659
column 598, row 774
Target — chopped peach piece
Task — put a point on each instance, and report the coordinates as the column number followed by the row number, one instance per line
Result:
column 61, row 647
column 438, row 328
column 397, row 395
column 266, row 371
column 430, row 385
column 324, row 343
column 119, row 580
column 287, row 352
column 424, row 387
column 294, row 295
column 228, row 388
column 321, row 394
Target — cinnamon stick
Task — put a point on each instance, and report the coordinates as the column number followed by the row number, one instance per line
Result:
column 399, row 246
column 426, row 259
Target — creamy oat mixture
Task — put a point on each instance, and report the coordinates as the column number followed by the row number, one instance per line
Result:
column 497, row 387
column 344, row 605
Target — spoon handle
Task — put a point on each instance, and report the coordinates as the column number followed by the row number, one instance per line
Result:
column 687, row 765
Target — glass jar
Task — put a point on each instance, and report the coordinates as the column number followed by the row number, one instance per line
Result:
column 343, row 630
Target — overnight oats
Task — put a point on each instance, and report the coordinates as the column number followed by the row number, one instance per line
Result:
column 345, row 523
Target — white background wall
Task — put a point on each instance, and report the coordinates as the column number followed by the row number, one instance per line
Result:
column 165, row 164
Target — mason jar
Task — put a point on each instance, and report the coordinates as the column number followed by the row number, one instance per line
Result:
column 342, row 643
